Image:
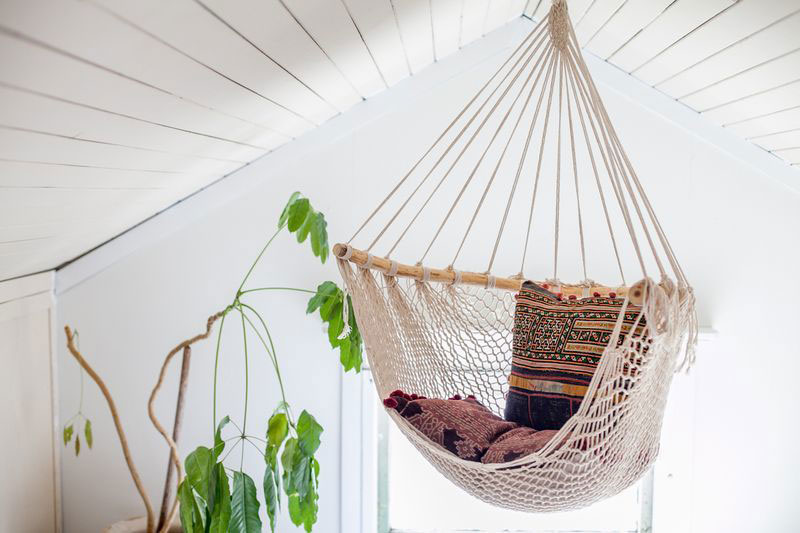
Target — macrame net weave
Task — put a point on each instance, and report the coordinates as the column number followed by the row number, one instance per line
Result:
column 440, row 332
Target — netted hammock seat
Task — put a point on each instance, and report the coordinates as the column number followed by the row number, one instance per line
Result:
column 442, row 331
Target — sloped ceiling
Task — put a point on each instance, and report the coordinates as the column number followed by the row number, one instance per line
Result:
column 113, row 110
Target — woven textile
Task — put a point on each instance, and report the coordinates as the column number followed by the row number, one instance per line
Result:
column 556, row 348
column 464, row 427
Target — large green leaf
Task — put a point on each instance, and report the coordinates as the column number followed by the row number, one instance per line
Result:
column 219, row 444
column 298, row 212
column 319, row 237
column 189, row 512
column 244, row 505
column 221, row 514
column 305, row 229
column 287, row 461
column 328, row 300
column 271, row 496
column 325, row 291
column 285, row 213
column 198, row 468
column 87, row 431
column 301, row 219
column 278, row 429
column 308, row 433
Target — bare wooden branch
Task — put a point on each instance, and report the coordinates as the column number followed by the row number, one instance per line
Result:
column 151, row 410
column 117, row 423
column 176, row 431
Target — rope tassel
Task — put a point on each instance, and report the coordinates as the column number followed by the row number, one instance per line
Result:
column 345, row 316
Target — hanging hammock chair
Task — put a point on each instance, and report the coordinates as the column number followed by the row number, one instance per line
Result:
column 443, row 331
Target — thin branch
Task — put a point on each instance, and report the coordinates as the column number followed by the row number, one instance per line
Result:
column 151, row 411
column 117, row 423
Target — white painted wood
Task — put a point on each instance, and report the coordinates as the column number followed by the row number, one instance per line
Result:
column 23, row 175
column 29, row 499
column 774, row 73
column 498, row 14
column 137, row 59
column 677, row 21
column 744, row 18
column 185, row 25
column 473, row 20
column 27, row 286
column 627, row 22
column 779, row 141
column 756, row 105
column 44, row 70
column 780, row 121
column 414, row 20
column 446, row 16
column 750, row 53
column 378, row 27
column 270, row 27
column 331, row 27
column 32, row 146
column 596, row 17
column 791, row 155
column 23, row 109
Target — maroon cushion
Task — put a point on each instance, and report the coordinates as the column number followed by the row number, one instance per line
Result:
column 464, row 427
column 517, row 443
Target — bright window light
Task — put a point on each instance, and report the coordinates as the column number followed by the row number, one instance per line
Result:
column 420, row 500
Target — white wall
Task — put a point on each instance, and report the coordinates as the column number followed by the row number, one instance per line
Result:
column 29, row 498
column 733, row 228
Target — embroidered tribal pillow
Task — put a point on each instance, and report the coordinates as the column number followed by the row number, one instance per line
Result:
column 557, row 345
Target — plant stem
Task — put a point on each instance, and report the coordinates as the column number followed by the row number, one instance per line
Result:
column 246, row 381
column 216, row 372
column 270, row 351
column 264, row 249
column 279, row 289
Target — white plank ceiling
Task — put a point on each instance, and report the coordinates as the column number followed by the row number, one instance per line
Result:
column 112, row 110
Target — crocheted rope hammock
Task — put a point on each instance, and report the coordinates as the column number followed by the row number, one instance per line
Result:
column 441, row 332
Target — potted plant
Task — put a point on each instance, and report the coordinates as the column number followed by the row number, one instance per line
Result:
column 212, row 497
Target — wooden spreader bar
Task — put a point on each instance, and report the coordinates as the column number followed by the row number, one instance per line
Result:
column 360, row 258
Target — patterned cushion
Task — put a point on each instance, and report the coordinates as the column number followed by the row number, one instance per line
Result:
column 557, row 346
column 516, row 443
column 464, row 427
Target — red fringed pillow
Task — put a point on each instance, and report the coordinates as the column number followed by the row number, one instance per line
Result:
column 464, row 427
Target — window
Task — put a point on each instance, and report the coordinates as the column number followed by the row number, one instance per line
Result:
column 410, row 496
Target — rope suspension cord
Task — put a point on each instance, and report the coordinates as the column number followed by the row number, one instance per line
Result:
column 588, row 99
column 521, row 162
column 614, row 149
column 462, row 152
column 545, row 55
column 558, row 168
column 602, row 195
column 577, row 186
column 441, row 136
column 538, row 174
column 534, row 38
